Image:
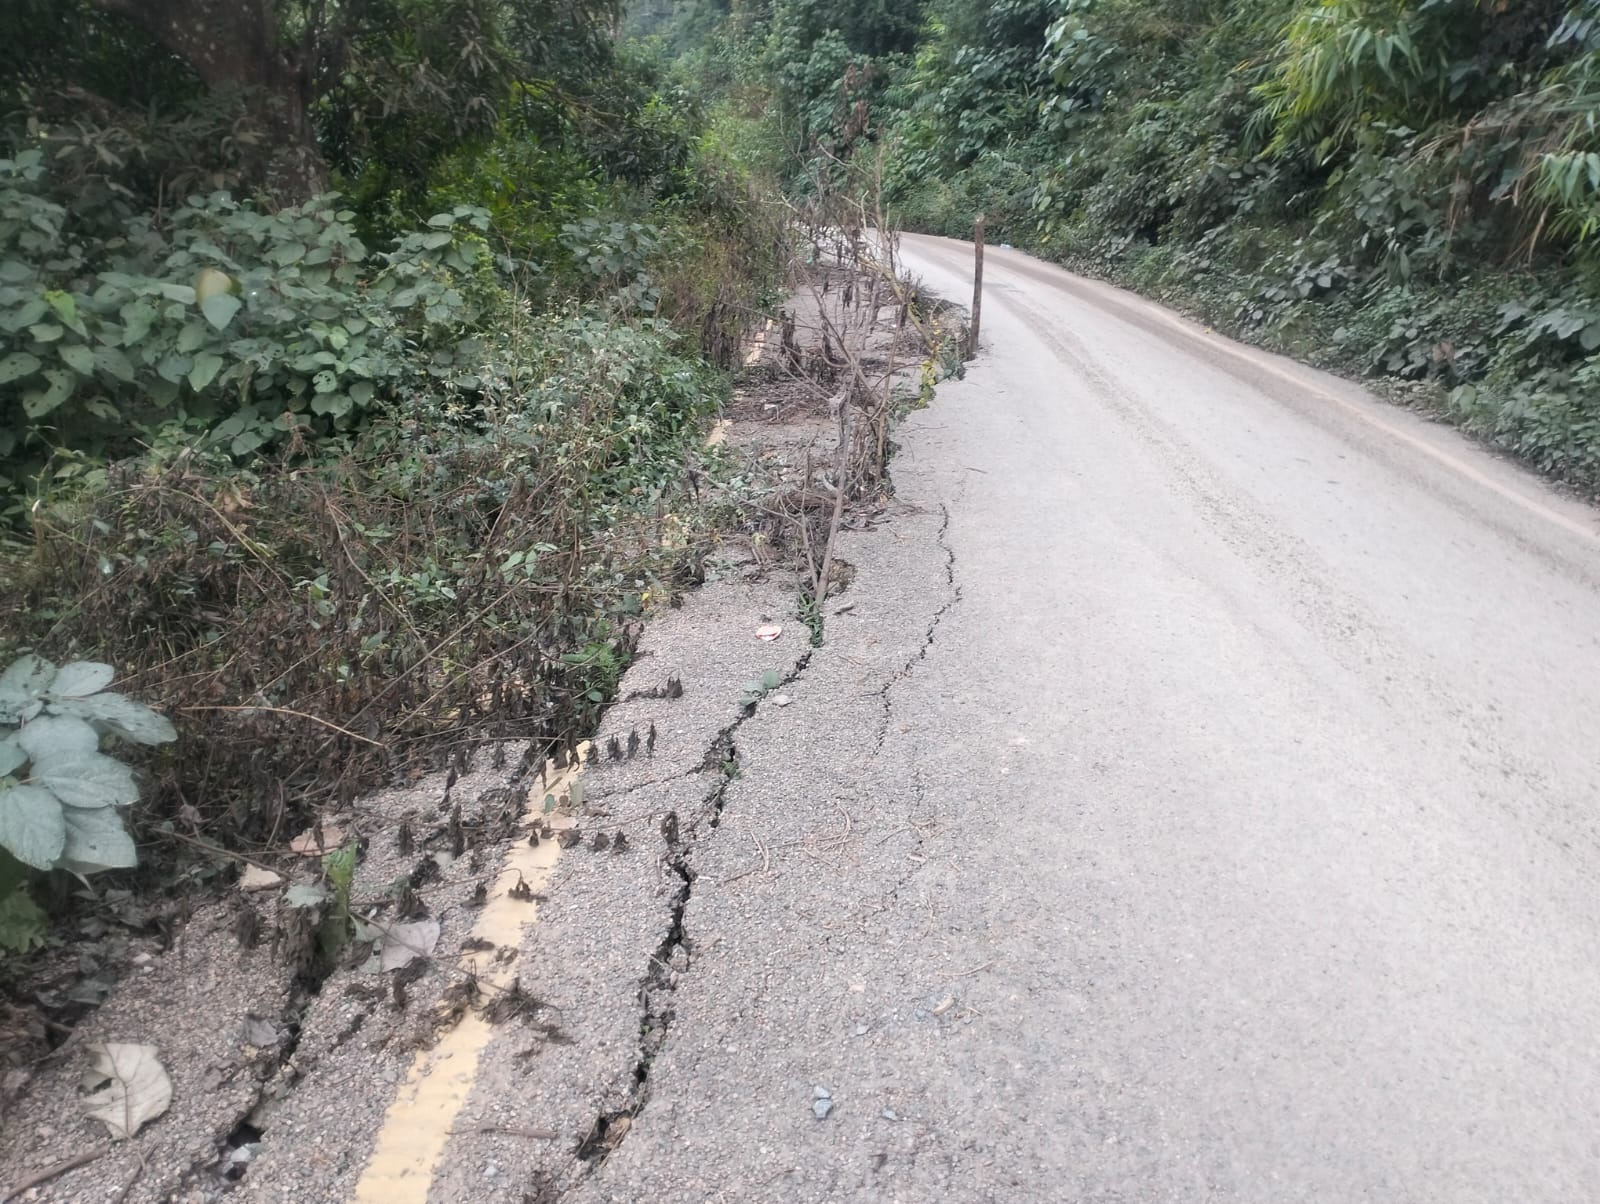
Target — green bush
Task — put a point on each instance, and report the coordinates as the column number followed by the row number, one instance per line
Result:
column 58, row 793
column 263, row 326
column 323, row 626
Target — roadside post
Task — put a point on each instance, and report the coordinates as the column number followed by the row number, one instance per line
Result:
column 977, row 287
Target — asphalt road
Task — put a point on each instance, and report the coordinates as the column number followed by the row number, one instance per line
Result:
column 1230, row 829
column 1194, row 798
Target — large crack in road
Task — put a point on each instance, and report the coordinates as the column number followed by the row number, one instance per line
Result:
column 1261, row 754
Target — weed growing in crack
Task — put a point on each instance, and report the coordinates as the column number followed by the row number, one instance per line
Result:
column 811, row 615
column 756, row 690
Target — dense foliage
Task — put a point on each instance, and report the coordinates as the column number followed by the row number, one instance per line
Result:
column 1409, row 188
column 353, row 360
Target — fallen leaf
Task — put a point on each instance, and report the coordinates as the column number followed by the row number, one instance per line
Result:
column 317, row 840
column 257, row 878
column 404, row 943
column 306, row 894
column 128, row 1087
column 259, row 1032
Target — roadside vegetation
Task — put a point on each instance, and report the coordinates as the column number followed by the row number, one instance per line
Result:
column 1407, row 190
column 354, row 367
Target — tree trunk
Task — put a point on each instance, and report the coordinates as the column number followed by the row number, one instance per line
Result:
column 234, row 44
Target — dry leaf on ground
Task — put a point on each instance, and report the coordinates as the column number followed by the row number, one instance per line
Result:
column 404, row 943
column 128, row 1087
column 318, row 839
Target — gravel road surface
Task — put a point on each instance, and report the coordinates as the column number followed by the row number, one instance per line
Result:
column 1199, row 802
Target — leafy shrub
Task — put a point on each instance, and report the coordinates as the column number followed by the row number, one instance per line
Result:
column 59, row 793
column 267, row 326
column 324, row 627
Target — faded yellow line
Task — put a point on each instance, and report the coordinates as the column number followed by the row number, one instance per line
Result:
column 416, row 1129
column 758, row 344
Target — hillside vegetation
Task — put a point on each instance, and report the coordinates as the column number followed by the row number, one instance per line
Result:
column 1404, row 189
column 354, row 362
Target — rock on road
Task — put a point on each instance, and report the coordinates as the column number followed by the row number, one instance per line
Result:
column 1200, row 802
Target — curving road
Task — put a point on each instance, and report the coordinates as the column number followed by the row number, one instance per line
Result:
column 1300, row 697
column 1197, row 800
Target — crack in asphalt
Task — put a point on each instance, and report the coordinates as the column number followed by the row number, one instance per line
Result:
column 918, row 789
column 671, row 959
column 934, row 620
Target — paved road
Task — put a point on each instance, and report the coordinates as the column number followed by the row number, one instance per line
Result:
column 1233, row 822
column 1194, row 799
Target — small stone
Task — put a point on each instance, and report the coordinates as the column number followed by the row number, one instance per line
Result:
column 820, row 1092
column 821, row 1108
column 782, row 700
column 862, row 1030
column 491, row 1171
column 889, row 1114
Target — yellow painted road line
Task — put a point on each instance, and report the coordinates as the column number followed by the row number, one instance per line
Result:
column 411, row 1144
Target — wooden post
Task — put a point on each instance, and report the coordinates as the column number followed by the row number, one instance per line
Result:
column 977, row 286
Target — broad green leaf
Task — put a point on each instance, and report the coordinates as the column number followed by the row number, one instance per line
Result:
column 64, row 305
column 174, row 368
column 55, row 736
column 192, row 337
column 220, row 309
column 86, row 780
column 39, row 402
column 78, row 678
column 333, row 405
column 11, row 756
column 361, row 392
column 113, row 361
column 77, row 357
column 325, row 381
column 17, row 365
column 206, row 366
column 19, row 708
column 32, row 310
column 97, row 840
column 437, row 239
column 23, row 923
column 32, row 828
column 122, row 716
column 46, row 332
column 28, row 675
